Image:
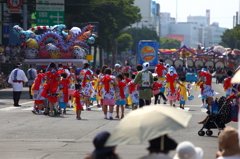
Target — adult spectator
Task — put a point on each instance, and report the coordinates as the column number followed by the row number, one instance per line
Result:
column 117, row 69
column 186, row 150
column 31, row 75
column 17, row 78
column 228, row 142
column 102, row 152
column 160, row 147
column 7, row 52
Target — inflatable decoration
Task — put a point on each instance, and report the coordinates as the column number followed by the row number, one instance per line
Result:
column 219, row 49
column 56, row 42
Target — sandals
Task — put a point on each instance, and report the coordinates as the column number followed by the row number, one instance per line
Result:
column 78, row 118
column 116, row 116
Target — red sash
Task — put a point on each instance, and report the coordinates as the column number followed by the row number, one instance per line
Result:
column 121, row 86
column 106, row 79
column 159, row 70
column 171, row 80
column 132, row 87
column 227, row 83
column 156, row 86
column 85, row 77
column 38, row 81
column 127, row 80
column 127, row 68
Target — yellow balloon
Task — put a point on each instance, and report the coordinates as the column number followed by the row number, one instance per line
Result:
column 31, row 43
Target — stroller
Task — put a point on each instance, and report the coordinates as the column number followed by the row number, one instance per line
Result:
column 218, row 120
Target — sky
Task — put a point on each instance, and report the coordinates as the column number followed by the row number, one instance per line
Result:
column 221, row 11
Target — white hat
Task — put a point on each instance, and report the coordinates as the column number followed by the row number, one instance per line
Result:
column 186, row 150
column 145, row 66
column 117, row 65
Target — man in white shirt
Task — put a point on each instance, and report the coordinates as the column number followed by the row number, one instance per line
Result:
column 17, row 78
column 31, row 75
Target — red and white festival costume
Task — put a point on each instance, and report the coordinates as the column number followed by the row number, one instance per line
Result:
column 206, row 85
column 133, row 91
column 228, row 86
column 63, row 90
column 108, row 90
column 127, row 69
column 160, row 68
column 79, row 96
column 86, row 83
column 171, row 85
column 38, row 87
column 51, row 88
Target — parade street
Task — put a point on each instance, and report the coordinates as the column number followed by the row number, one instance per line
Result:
column 26, row 135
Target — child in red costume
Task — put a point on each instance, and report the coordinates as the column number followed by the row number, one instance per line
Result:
column 63, row 93
column 51, row 88
column 126, row 80
column 78, row 100
column 227, row 84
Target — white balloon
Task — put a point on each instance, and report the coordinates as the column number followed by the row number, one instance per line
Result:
column 76, row 30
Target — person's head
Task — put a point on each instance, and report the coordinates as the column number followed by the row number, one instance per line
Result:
column 86, row 65
column 120, row 77
column 108, row 71
column 228, row 141
column 162, row 144
column 78, row 86
column 60, row 65
column 161, row 60
column 182, row 78
column 139, row 67
column 117, row 67
column 103, row 68
column 155, row 79
column 209, row 100
column 99, row 142
column 64, row 75
column 52, row 65
column 186, row 150
column 19, row 65
column 127, row 64
column 133, row 76
column 229, row 73
column 126, row 75
column 98, row 71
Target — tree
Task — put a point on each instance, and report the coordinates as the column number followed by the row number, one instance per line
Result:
column 231, row 38
column 125, row 42
column 166, row 43
column 141, row 34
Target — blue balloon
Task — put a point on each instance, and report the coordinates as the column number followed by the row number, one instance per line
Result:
column 190, row 97
column 91, row 40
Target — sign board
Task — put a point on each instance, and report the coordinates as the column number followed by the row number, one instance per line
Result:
column 14, row 3
column 154, row 7
column 6, row 30
column 49, row 14
column 14, row 6
column 148, row 52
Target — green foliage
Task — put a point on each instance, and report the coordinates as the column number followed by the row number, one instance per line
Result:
column 125, row 42
column 166, row 43
column 231, row 38
column 141, row 34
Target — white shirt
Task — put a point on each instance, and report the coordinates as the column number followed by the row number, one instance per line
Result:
column 17, row 74
column 237, row 156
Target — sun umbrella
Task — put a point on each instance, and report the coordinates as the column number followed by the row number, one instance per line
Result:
column 148, row 123
column 236, row 77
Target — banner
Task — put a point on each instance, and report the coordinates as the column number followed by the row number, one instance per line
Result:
column 148, row 52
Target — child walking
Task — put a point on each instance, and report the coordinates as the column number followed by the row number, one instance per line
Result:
column 126, row 91
column 157, row 92
column 183, row 91
column 227, row 84
column 78, row 100
column 133, row 91
column 63, row 93
column 120, row 95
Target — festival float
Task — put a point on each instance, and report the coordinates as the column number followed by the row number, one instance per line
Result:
column 216, row 57
column 55, row 43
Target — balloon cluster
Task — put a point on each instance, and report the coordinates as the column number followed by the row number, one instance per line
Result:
column 56, row 42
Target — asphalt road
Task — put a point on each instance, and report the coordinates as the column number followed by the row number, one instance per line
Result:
column 24, row 135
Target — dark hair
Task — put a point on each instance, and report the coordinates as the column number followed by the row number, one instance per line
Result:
column 155, row 79
column 78, row 86
column 86, row 65
column 182, row 78
column 103, row 68
column 127, row 64
column 52, row 65
column 64, row 75
column 209, row 97
column 126, row 74
column 229, row 73
column 108, row 155
column 108, row 71
column 120, row 76
column 98, row 71
column 133, row 76
column 139, row 67
column 60, row 65
column 161, row 60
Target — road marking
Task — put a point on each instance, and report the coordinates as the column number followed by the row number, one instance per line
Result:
column 9, row 108
column 28, row 109
column 26, row 103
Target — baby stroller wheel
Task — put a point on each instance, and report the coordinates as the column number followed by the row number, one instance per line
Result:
column 209, row 132
column 201, row 133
